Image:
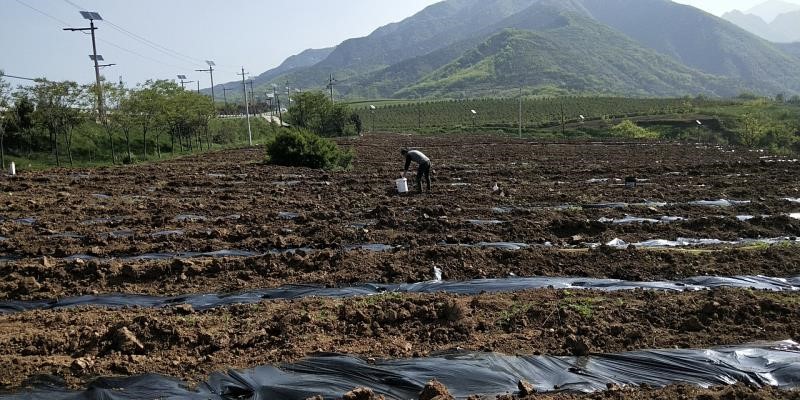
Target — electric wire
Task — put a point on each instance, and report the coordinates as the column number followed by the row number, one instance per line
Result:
column 162, row 49
column 112, row 44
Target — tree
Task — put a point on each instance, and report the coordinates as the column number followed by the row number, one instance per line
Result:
column 752, row 131
column 148, row 104
column 122, row 115
column 301, row 148
column 316, row 112
column 5, row 96
column 59, row 109
column 22, row 123
column 111, row 98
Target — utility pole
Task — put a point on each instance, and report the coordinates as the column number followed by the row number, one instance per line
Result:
column 225, row 96
column 183, row 81
column 93, row 16
column 288, row 94
column 252, row 96
column 247, row 108
column 520, row 111
column 331, row 84
column 210, row 70
column 198, row 86
column 277, row 102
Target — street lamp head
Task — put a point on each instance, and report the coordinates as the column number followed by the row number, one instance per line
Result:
column 91, row 16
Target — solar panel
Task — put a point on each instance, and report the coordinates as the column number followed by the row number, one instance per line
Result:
column 99, row 57
column 90, row 15
column 210, row 63
column 182, row 77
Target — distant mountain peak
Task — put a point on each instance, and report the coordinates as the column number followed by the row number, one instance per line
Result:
column 775, row 20
column 771, row 9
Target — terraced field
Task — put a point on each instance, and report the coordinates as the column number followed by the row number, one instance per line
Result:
column 190, row 267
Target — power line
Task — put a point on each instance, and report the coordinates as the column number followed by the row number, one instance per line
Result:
column 163, row 49
column 112, row 44
column 43, row 13
column 23, row 78
column 141, row 55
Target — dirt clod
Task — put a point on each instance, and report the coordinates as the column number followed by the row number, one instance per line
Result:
column 435, row 390
column 525, row 388
column 362, row 393
column 126, row 342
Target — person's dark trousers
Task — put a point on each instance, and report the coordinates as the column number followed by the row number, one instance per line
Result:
column 424, row 170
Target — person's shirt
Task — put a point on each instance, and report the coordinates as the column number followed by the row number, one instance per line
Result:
column 417, row 157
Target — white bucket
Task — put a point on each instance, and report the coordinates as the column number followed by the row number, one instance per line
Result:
column 12, row 170
column 402, row 185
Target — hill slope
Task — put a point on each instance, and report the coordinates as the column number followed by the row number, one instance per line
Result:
column 580, row 55
column 643, row 47
column 701, row 41
column 754, row 24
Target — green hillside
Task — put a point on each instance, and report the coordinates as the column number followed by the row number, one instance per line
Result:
column 463, row 48
column 701, row 41
column 581, row 57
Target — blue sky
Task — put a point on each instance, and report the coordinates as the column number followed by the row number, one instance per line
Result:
column 256, row 34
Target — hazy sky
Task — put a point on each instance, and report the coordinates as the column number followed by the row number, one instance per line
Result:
column 160, row 39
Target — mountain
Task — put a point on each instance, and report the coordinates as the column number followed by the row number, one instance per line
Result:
column 771, row 9
column 436, row 26
column 699, row 40
column 788, row 24
column 433, row 28
column 790, row 48
column 305, row 59
column 546, row 46
column 783, row 28
column 489, row 47
column 754, row 24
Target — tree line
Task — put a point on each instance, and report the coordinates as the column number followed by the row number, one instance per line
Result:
column 61, row 120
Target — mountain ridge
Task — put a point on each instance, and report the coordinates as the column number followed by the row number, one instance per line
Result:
column 444, row 35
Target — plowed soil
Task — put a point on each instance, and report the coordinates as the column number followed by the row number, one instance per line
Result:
column 119, row 221
column 83, row 343
column 159, row 228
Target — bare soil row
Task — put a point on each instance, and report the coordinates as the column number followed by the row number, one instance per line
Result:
column 81, row 343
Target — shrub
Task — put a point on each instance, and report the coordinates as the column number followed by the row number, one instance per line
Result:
column 315, row 112
column 301, row 148
column 629, row 130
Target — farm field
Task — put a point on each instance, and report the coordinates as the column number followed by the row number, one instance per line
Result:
column 226, row 223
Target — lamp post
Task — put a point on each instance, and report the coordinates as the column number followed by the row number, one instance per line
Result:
column 210, row 70
column 474, row 114
column 372, row 112
column 183, row 81
column 93, row 16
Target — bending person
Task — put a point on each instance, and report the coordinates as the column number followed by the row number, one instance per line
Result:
column 423, row 170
